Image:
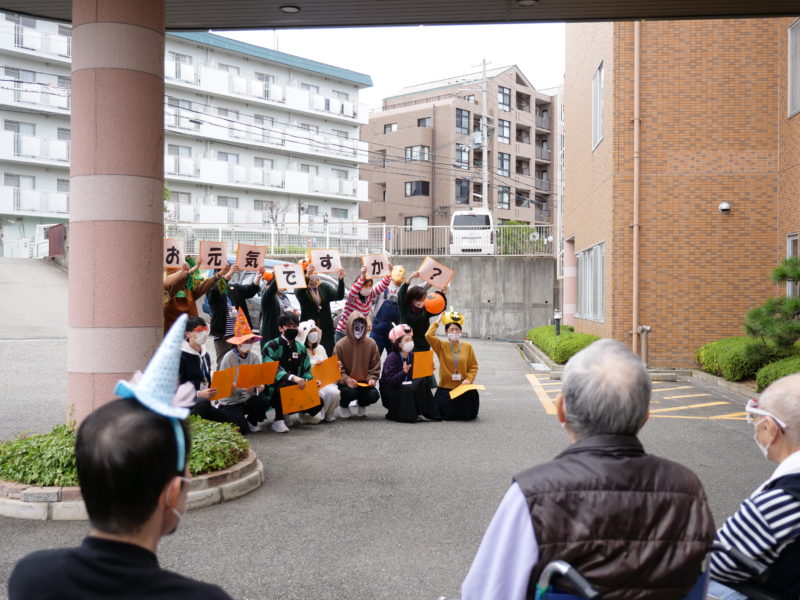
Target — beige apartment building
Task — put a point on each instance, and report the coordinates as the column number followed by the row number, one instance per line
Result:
column 427, row 154
column 682, row 177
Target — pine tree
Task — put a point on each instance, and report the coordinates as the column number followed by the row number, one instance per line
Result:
column 778, row 319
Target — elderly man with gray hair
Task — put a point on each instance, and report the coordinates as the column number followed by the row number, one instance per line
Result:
column 635, row 525
column 767, row 525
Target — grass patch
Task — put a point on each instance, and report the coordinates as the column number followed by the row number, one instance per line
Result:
column 560, row 348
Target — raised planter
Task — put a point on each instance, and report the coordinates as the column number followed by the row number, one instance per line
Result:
column 22, row 501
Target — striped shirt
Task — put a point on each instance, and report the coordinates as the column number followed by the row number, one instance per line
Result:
column 356, row 301
column 763, row 526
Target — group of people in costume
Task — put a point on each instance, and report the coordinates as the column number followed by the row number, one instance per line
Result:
column 387, row 314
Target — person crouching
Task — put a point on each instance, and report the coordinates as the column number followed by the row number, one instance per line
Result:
column 311, row 335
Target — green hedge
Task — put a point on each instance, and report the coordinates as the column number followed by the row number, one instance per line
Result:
column 773, row 371
column 737, row 358
column 560, row 348
column 49, row 458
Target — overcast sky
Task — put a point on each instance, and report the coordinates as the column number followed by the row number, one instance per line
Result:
column 396, row 57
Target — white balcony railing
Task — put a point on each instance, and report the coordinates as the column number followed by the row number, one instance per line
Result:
column 17, row 146
column 36, row 41
column 20, row 200
column 45, row 95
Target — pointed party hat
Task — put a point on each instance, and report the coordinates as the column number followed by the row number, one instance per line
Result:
column 242, row 331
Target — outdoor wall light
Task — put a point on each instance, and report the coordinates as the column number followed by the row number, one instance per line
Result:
column 725, row 208
column 289, row 9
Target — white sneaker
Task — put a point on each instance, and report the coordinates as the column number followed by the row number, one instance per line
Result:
column 253, row 428
column 344, row 412
column 354, row 403
column 330, row 419
column 292, row 420
column 279, row 427
column 309, row 419
column 362, row 412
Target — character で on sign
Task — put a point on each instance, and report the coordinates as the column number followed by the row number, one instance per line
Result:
column 435, row 273
column 377, row 265
column 213, row 255
column 326, row 261
column 289, row 276
column 249, row 258
column 173, row 253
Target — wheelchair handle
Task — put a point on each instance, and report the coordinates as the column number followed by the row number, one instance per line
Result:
column 561, row 569
column 755, row 568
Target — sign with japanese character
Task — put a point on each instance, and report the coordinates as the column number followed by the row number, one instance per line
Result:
column 377, row 265
column 435, row 273
column 249, row 258
column 290, row 276
column 213, row 255
column 173, row 253
column 326, row 261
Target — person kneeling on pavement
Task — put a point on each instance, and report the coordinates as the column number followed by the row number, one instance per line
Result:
column 404, row 398
column 294, row 369
column 245, row 406
column 361, row 366
column 311, row 335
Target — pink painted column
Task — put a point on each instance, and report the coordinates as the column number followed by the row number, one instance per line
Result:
column 116, row 195
column 570, row 287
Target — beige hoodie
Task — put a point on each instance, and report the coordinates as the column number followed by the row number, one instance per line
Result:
column 360, row 359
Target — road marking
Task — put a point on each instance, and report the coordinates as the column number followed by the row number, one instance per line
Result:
column 737, row 416
column 674, row 408
column 676, row 417
column 545, row 400
column 685, row 396
column 672, row 389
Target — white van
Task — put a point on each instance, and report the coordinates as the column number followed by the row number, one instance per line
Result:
column 472, row 231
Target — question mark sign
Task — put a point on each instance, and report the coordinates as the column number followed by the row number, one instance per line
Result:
column 436, row 272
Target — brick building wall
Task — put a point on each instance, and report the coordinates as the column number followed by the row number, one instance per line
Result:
column 789, row 184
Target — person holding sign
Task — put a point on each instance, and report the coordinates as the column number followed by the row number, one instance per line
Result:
column 361, row 366
column 386, row 311
column 311, row 335
column 294, row 368
column 360, row 299
column 411, row 302
column 315, row 305
column 182, row 289
column 457, row 366
column 245, row 406
column 404, row 397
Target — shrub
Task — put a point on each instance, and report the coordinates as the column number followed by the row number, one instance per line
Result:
column 562, row 347
column 774, row 371
column 738, row 358
column 49, row 458
column 708, row 356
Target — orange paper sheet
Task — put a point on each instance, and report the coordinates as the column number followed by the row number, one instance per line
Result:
column 223, row 382
column 463, row 389
column 360, row 384
column 253, row 375
column 423, row 364
column 327, row 371
column 293, row 399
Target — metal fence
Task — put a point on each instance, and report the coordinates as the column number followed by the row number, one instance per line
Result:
column 354, row 238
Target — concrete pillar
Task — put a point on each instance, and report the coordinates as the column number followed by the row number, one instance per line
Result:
column 116, row 195
column 570, row 283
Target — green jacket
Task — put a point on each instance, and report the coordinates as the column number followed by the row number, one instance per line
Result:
column 277, row 350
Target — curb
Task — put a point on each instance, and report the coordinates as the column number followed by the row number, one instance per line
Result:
column 731, row 386
column 21, row 501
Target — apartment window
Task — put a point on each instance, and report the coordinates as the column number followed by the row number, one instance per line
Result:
column 418, row 153
column 312, row 209
column 462, row 191
column 183, row 65
column 597, row 106
column 794, row 68
column 462, row 121
column 65, row 82
column 523, row 198
column 470, row 98
column 266, row 78
column 228, row 201
column 504, row 131
column 261, row 205
column 19, row 128
column 503, row 197
column 21, row 77
column 310, row 169
column 793, row 251
column 343, row 96
column 182, row 151
column 232, row 117
column 310, row 128
column 25, row 182
column 418, row 188
column 504, row 164
column 228, row 157
column 504, row 98
column 339, row 173
column 263, row 163
column 462, row 156
column 590, row 283
column 181, row 197
column 339, row 133
column 425, row 122
column 233, row 69
column 62, row 186
column 312, row 89
column 416, row 223
column 264, row 125
column 63, row 134
column 389, row 127
column 339, row 213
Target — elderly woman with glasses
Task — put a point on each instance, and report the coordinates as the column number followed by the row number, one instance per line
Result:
column 767, row 525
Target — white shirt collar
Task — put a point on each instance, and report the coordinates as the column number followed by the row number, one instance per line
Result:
column 186, row 347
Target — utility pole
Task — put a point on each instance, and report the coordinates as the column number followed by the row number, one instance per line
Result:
column 485, row 140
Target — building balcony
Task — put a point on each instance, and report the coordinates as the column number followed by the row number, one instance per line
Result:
column 32, row 202
column 28, row 148
column 543, row 185
column 543, row 153
column 35, row 42
column 43, row 95
column 288, row 97
column 543, row 123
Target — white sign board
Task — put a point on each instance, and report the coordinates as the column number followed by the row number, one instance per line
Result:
column 173, row 253
column 377, row 265
column 326, row 261
column 435, row 273
column 250, row 258
column 289, row 276
column 213, row 255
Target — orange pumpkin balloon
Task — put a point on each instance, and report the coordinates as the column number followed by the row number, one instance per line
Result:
column 435, row 303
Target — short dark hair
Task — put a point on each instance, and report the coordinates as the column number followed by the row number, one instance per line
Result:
column 453, row 324
column 288, row 318
column 415, row 293
column 125, row 456
column 193, row 323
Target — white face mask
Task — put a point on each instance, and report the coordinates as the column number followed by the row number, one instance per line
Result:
column 365, row 291
column 764, row 449
column 454, row 336
column 201, row 338
column 313, row 337
column 407, row 346
column 245, row 348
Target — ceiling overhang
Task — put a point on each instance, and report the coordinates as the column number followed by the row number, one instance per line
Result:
column 266, row 14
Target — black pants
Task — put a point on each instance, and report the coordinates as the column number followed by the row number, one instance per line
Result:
column 405, row 403
column 463, row 408
column 251, row 411
column 276, row 400
column 205, row 410
column 363, row 395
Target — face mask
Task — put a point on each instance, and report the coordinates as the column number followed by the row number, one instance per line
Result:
column 178, row 515
column 764, row 449
column 313, row 281
column 313, row 337
column 245, row 348
column 407, row 346
column 364, row 292
column 358, row 330
column 290, row 334
column 454, row 336
column 201, row 338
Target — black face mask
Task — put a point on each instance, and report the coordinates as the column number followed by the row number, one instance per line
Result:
column 290, row 334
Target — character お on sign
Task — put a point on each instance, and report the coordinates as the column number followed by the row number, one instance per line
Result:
column 173, row 253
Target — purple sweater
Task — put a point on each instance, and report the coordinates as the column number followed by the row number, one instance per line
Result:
column 392, row 374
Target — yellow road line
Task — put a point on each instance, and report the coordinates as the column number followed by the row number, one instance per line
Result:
column 685, row 396
column 737, row 416
column 676, row 417
column 680, row 387
column 547, row 403
column 674, row 408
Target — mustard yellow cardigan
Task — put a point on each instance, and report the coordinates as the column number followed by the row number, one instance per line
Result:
column 467, row 363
